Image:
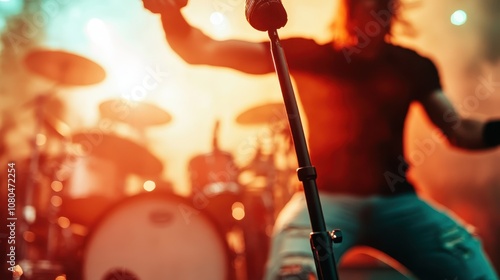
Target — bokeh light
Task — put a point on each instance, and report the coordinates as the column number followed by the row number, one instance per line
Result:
column 459, row 17
column 149, row 186
column 216, row 18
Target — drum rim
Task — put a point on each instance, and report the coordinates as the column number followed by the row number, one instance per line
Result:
column 230, row 273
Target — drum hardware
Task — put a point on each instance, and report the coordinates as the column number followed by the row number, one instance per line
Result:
column 268, row 170
column 106, row 160
column 105, row 153
column 244, row 212
column 215, row 172
column 41, row 269
column 29, row 211
column 64, row 69
column 106, row 163
column 265, row 180
column 37, row 207
column 214, row 176
column 98, row 176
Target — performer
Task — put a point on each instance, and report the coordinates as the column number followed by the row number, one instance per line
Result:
column 355, row 92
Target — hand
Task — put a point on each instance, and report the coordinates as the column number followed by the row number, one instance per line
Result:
column 159, row 6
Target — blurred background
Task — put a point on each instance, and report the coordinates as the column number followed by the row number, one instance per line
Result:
column 98, row 113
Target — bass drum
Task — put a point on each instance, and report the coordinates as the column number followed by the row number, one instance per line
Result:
column 156, row 236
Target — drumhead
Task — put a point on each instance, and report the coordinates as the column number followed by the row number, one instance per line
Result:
column 151, row 237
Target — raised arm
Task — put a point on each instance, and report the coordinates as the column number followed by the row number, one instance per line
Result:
column 195, row 47
column 461, row 132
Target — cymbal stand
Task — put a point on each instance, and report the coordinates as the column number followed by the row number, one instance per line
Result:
column 29, row 211
column 321, row 240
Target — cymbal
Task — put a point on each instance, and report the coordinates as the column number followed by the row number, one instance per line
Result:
column 262, row 114
column 64, row 68
column 129, row 156
column 138, row 114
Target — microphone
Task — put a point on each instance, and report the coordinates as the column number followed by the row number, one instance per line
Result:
column 265, row 15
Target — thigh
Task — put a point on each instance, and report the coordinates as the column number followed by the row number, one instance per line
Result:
column 428, row 242
column 290, row 244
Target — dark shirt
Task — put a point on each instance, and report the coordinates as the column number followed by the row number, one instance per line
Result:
column 355, row 110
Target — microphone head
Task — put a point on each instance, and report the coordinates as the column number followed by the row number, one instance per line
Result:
column 265, row 15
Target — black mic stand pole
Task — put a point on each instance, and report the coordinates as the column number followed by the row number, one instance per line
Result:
column 321, row 240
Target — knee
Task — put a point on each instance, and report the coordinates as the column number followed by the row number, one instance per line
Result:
column 293, row 268
column 296, row 272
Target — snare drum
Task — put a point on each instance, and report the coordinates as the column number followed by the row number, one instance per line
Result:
column 156, row 236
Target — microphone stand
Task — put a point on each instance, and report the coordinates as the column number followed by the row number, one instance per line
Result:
column 321, row 240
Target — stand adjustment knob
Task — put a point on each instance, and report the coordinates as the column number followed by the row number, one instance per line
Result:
column 336, row 236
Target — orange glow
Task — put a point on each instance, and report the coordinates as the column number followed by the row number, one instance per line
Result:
column 29, row 236
column 79, row 230
column 103, row 155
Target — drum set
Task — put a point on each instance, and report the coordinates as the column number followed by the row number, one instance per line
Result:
column 79, row 221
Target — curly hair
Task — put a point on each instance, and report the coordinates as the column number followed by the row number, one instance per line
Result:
column 384, row 14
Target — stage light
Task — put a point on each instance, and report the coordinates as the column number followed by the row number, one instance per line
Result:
column 98, row 33
column 29, row 213
column 459, row 17
column 10, row 7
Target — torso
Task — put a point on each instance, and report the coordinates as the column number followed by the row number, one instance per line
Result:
column 355, row 120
